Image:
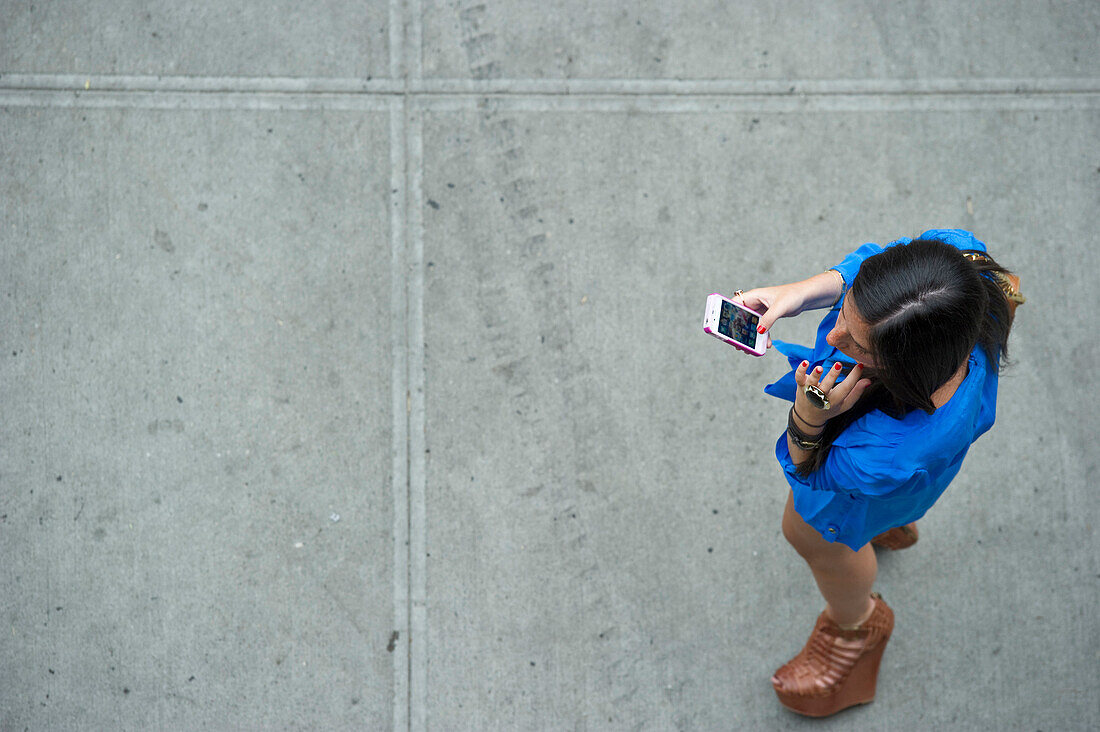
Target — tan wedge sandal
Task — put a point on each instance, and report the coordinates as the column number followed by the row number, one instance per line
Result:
column 838, row 668
column 899, row 537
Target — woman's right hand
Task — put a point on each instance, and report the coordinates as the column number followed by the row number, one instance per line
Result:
column 773, row 303
column 785, row 301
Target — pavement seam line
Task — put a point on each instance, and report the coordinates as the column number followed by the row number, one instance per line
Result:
column 400, row 457
column 400, row 307
column 418, row 561
column 411, row 64
column 415, row 47
column 418, row 543
column 764, row 104
column 397, row 40
column 188, row 101
column 543, row 103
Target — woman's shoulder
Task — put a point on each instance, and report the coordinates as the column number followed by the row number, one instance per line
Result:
column 958, row 238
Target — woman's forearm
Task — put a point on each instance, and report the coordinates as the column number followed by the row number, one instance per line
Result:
column 822, row 290
column 784, row 301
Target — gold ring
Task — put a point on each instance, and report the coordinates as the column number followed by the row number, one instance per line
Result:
column 739, row 293
column 816, row 397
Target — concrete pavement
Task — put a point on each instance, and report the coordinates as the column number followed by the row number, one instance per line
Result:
column 353, row 375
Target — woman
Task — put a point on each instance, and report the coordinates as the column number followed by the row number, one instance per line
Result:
column 901, row 380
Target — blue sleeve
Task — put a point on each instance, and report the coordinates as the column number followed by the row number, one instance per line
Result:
column 850, row 264
column 868, row 470
column 872, row 471
column 958, row 238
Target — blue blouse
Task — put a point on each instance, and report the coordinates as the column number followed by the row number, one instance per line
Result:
column 883, row 472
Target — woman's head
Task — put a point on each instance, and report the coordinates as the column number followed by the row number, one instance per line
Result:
column 913, row 314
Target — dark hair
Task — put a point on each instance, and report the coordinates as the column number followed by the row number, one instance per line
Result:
column 928, row 306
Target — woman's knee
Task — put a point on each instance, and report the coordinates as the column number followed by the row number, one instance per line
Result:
column 790, row 530
column 797, row 532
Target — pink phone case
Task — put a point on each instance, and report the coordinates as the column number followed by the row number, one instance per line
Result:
column 731, row 341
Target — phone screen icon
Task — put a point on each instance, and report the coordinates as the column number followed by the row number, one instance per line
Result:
column 735, row 323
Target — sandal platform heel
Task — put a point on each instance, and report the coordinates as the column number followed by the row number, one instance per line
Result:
column 837, row 668
column 899, row 537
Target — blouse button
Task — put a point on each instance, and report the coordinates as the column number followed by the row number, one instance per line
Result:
column 832, row 529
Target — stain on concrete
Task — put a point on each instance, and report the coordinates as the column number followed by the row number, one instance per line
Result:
column 164, row 241
column 159, row 425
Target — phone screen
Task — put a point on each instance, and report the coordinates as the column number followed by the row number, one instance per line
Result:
column 738, row 324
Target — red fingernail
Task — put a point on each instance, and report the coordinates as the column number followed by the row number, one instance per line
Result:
column 760, row 329
column 859, row 365
column 837, row 366
column 817, row 370
column 805, row 364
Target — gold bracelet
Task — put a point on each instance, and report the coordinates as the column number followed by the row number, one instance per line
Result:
column 843, row 285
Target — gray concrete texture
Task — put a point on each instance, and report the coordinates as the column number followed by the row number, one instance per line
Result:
column 353, row 378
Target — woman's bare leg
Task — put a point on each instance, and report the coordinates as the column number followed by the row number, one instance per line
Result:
column 843, row 576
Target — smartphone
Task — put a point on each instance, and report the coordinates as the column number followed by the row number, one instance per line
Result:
column 735, row 324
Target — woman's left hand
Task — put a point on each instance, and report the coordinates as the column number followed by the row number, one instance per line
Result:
column 840, row 398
